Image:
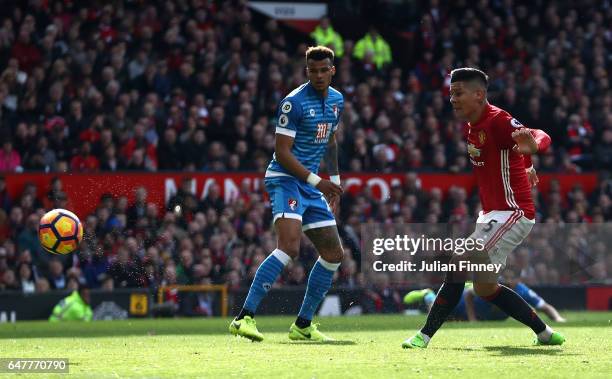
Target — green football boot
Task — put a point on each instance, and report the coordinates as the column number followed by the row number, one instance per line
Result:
column 415, row 342
column 416, row 296
column 247, row 328
column 310, row 333
column 555, row 339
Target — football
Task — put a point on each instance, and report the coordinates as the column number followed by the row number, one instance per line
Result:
column 60, row 232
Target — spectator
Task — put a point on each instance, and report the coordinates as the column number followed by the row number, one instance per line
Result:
column 74, row 307
column 372, row 47
column 42, row 285
column 10, row 160
column 85, row 162
column 325, row 35
column 56, row 276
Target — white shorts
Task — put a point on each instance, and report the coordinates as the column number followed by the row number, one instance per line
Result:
column 502, row 232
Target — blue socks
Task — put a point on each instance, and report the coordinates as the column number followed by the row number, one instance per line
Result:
column 266, row 275
column 319, row 281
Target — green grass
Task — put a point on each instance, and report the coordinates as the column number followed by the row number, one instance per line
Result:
column 368, row 347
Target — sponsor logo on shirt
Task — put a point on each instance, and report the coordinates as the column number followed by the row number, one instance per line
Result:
column 473, row 151
column 323, row 129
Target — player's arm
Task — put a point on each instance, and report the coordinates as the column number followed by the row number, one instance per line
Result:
column 285, row 158
column 470, row 310
column 551, row 312
column 511, row 134
column 530, row 141
column 532, row 175
column 536, row 301
column 331, row 162
column 331, row 157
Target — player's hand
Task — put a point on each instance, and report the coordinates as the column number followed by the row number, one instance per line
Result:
column 532, row 176
column 525, row 142
column 329, row 189
column 334, row 202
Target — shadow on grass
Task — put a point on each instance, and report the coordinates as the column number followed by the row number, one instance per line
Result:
column 505, row 351
column 202, row 327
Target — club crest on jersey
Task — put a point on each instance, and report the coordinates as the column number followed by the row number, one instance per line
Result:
column 323, row 129
column 516, row 123
column 482, row 137
column 312, row 112
column 335, row 108
column 292, row 204
column 286, row 107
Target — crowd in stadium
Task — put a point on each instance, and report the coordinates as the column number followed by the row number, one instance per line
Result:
column 194, row 86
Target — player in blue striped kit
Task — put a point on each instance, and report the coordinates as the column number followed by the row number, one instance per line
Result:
column 301, row 200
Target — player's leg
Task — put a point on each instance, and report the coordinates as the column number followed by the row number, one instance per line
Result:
column 505, row 298
column 448, row 297
column 511, row 303
column 287, row 222
column 449, row 294
column 320, row 227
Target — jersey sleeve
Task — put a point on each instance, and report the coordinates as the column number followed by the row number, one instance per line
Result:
column 289, row 117
column 503, row 127
column 542, row 139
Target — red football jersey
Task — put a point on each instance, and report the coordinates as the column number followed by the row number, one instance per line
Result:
column 500, row 171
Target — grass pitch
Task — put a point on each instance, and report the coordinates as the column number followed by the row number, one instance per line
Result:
column 368, row 347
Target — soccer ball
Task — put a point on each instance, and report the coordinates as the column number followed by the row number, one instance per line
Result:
column 60, row 232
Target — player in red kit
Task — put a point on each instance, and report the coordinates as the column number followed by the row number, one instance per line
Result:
column 500, row 150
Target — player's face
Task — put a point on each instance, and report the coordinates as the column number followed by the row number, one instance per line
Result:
column 320, row 73
column 465, row 98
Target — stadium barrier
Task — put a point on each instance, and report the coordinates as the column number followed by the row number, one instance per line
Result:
column 138, row 302
column 349, row 301
column 88, row 188
column 118, row 304
column 220, row 288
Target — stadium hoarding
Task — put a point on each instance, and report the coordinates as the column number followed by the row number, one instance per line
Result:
column 301, row 16
column 106, row 305
column 341, row 300
column 17, row 306
column 85, row 190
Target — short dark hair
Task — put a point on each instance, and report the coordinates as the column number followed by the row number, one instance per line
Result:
column 318, row 53
column 469, row 74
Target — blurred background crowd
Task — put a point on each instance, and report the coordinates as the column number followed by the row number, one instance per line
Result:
column 193, row 85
